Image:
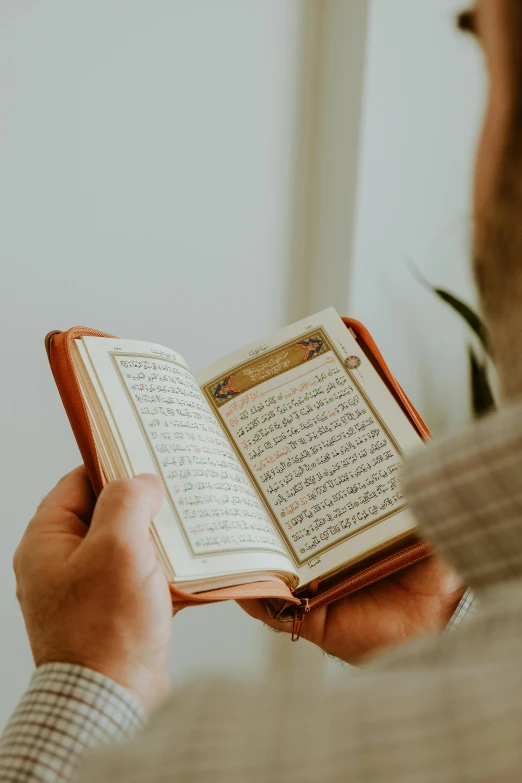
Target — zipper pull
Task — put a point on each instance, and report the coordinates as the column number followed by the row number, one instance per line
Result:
column 299, row 615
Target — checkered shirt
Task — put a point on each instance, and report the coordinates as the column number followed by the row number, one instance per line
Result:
column 443, row 709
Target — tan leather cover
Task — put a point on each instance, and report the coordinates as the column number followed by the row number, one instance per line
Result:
column 58, row 347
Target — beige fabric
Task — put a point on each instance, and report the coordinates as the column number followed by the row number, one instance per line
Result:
column 440, row 710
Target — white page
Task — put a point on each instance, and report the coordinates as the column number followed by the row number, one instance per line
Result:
column 322, row 441
column 212, row 521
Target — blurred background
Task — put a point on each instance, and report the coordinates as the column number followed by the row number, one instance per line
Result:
column 201, row 172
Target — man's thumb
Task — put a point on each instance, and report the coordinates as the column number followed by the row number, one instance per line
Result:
column 127, row 507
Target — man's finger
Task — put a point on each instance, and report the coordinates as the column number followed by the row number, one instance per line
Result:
column 258, row 611
column 60, row 523
column 68, row 507
column 127, row 507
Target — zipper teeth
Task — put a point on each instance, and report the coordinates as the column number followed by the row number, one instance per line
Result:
column 371, row 344
column 71, row 335
column 396, row 561
column 400, row 393
column 409, row 407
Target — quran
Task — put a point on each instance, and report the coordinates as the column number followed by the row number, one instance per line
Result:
column 280, row 461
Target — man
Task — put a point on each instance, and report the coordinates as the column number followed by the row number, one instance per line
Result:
column 445, row 708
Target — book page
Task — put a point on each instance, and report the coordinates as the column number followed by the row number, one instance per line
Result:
column 212, row 521
column 321, row 437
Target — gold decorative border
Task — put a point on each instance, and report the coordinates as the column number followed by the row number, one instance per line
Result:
column 271, row 364
column 170, row 499
column 208, row 390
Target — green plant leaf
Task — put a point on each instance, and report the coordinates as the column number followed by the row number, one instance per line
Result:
column 481, row 394
column 470, row 316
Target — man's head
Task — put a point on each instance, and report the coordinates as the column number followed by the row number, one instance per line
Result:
column 498, row 180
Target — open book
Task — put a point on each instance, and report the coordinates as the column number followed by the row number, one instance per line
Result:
column 280, row 461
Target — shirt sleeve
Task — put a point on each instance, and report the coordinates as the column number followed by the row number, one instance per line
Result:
column 466, row 493
column 66, row 709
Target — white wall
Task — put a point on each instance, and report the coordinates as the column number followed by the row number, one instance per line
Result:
column 148, row 165
column 423, row 95
column 341, row 35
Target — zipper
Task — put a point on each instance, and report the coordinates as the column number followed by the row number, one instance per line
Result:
column 299, row 615
column 370, row 575
column 71, row 334
column 397, row 563
column 372, row 346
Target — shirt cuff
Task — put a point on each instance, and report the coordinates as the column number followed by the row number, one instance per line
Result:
column 465, row 610
column 66, row 709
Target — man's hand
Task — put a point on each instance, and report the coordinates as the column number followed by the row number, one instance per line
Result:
column 419, row 600
column 96, row 596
